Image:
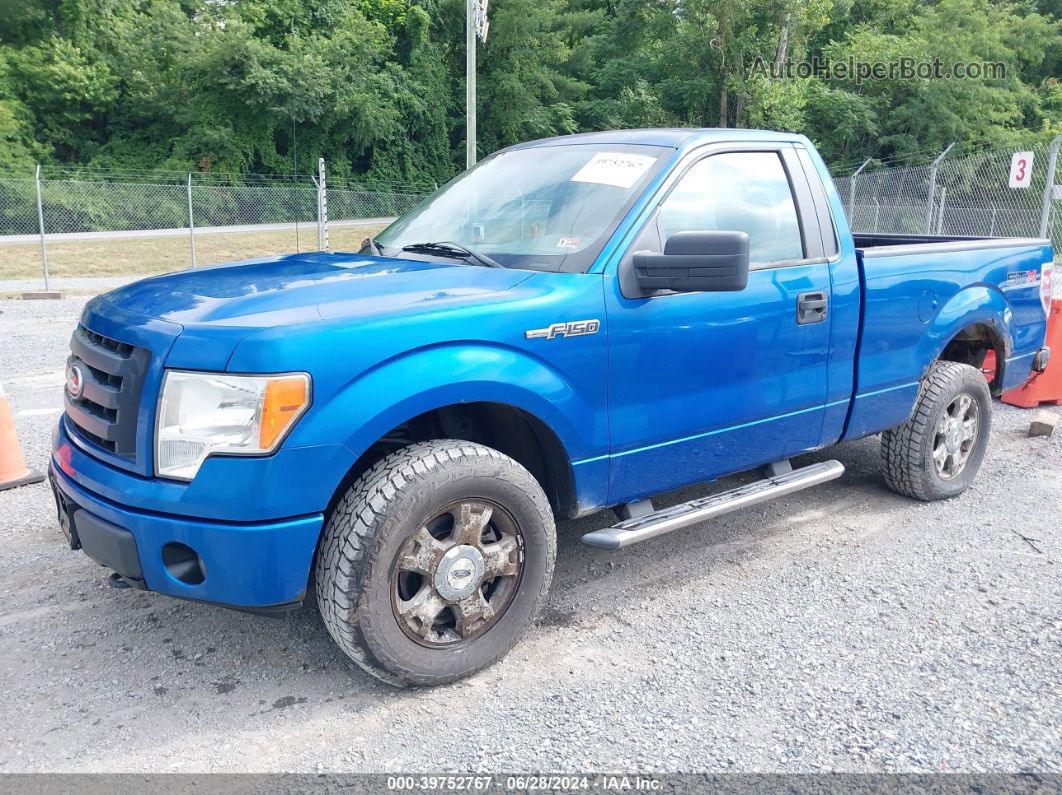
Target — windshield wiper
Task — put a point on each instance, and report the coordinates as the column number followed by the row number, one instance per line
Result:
column 454, row 251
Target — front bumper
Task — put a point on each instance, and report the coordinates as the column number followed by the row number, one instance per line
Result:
column 247, row 564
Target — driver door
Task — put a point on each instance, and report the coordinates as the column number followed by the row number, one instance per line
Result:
column 704, row 384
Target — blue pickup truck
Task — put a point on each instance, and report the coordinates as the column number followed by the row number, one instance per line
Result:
column 575, row 324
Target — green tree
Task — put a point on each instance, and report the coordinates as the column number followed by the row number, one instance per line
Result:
column 377, row 86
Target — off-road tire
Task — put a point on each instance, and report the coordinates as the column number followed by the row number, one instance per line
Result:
column 379, row 513
column 907, row 450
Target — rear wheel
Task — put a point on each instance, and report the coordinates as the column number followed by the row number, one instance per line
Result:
column 435, row 561
column 936, row 453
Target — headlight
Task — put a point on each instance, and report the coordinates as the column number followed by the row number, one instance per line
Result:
column 205, row 413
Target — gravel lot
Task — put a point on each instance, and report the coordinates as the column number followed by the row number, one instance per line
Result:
column 845, row 628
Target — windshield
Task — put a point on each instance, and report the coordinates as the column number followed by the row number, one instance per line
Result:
column 543, row 208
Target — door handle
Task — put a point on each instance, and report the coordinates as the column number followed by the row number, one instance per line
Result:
column 812, row 307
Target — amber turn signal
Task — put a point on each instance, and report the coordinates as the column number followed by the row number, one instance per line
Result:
column 284, row 400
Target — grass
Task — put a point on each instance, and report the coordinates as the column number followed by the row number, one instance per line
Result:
column 147, row 255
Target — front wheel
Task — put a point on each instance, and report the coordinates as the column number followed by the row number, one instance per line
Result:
column 936, row 453
column 435, row 561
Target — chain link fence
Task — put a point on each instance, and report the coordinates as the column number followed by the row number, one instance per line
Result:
column 347, row 201
column 118, row 222
column 967, row 193
column 18, row 206
column 97, row 222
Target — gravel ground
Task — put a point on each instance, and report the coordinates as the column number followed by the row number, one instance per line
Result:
column 844, row 628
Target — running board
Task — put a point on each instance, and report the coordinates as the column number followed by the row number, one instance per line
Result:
column 665, row 520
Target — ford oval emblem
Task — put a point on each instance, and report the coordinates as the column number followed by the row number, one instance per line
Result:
column 75, row 381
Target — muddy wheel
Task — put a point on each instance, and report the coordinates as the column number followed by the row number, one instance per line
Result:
column 435, row 561
column 936, row 453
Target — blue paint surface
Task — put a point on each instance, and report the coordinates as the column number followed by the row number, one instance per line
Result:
column 258, row 564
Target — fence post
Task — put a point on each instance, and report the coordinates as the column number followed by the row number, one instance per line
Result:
column 296, row 190
column 940, row 209
column 851, row 189
column 191, row 219
column 322, row 207
column 1049, row 186
column 933, row 188
column 40, row 226
column 877, row 214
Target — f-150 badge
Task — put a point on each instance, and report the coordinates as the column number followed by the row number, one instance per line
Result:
column 574, row 328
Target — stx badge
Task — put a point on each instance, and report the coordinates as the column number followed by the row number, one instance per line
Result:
column 575, row 328
column 1015, row 278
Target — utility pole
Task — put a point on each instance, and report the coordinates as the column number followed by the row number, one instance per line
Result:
column 475, row 27
column 294, row 153
column 470, row 82
column 294, row 145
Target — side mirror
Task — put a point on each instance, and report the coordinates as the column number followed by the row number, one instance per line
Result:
column 695, row 262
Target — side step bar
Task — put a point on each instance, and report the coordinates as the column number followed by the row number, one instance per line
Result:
column 663, row 521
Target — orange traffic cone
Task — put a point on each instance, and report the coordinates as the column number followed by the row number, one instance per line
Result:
column 1045, row 387
column 13, row 469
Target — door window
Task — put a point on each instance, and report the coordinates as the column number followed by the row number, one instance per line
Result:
column 737, row 191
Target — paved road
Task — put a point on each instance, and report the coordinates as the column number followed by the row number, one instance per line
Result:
column 844, row 628
column 202, row 230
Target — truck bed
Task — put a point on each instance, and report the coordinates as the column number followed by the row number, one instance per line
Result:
column 920, row 291
column 870, row 241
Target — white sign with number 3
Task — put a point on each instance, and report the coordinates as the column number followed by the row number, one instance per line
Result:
column 1021, row 170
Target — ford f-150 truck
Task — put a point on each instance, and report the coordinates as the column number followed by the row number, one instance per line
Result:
column 574, row 324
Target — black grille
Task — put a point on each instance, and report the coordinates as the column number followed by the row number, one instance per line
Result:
column 112, row 374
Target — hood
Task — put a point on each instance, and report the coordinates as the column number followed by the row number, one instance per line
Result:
column 305, row 287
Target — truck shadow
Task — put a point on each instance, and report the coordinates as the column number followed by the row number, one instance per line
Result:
column 659, row 563
column 624, row 575
column 751, row 528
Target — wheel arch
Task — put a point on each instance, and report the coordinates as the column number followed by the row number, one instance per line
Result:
column 508, row 428
column 971, row 346
column 973, row 322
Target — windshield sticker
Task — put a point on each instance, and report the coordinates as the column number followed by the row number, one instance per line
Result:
column 568, row 242
column 614, row 168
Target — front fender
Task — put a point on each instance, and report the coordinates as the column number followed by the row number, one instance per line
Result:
column 394, row 391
